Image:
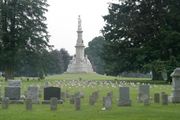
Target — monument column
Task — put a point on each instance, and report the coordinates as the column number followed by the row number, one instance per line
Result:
column 80, row 63
column 79, row 44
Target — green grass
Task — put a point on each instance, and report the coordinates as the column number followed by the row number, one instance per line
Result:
column 89, row 76
column 67, row 111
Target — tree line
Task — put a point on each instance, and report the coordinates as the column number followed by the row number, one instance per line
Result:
column 142, row 35
column 138, row 36
column 24, row 40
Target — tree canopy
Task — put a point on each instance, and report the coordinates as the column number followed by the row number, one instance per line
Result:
column 142, row 35
column 23, row 32
column 94, row 52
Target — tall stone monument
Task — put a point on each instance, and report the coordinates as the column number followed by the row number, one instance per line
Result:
column 80, row 63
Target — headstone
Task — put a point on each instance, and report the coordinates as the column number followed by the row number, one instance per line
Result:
column 5, row 103
column 77, row 103
column 50, row 92
column 63, row 96
column 71, row 99
column 79, row 94
column 164, row 99
column 108, row 102
column 124, row 98
column 96, row 95
column 104, row 101
column 53, row 103
column 33, row 94
column 13, row 93
column 92, row 99
column 110, row 94
column 28, row 103
column 176, row 85
column 46, row 84
column 14, row 83
column 146, row 102
column 143, row 93
column 67, row 94
column 0, row 94
column 156, row 98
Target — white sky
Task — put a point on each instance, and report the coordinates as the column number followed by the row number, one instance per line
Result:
column 62, row 21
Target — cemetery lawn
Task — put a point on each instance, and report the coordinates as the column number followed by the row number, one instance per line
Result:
column 89, row 76
column 66, row 111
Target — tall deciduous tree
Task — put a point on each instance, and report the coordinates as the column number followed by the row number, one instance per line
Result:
column 94, row 52
column 57, row 61
column 142, row 33
column 23, row 31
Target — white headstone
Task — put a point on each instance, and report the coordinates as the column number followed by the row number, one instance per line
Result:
column 176, row 85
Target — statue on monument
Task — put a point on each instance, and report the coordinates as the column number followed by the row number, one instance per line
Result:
column 80, row 62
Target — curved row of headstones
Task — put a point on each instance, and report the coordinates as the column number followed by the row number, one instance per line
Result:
column 53, row 95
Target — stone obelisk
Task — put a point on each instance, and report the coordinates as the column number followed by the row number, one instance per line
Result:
column 79, row 63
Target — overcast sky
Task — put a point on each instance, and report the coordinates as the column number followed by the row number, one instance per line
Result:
column 62, row 19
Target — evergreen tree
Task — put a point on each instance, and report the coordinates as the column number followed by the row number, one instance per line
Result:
column 23, row 32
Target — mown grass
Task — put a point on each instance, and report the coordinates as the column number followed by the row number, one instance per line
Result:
column 89, row 76
column 67, row 111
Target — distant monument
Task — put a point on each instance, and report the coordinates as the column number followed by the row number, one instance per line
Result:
column 80, row 63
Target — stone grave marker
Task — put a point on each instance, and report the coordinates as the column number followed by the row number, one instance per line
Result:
column 77, row 103
column 53, row 103
column 146, row 102
column 14, row 83
column 0, row 95
column 13, row 93
column 164, row 99
column 176, row 85
column 143, row 93
column 71, row 99
column 104, row 101
column 124, row 98
column 107, row 102
column 50, row 92
column 156, row 98
column 28, row 103
column 110, row 94
column 96, row 95
column 33, row 94
column 63, row 96
column 5, row 102
column 92, row 99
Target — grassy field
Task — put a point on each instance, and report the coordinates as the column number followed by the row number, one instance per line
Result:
column 67, row 111
column 89, row 76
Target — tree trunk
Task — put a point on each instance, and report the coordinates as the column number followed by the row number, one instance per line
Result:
column 156, row 75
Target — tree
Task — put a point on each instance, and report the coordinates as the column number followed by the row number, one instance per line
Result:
column 94, row 52
column 23, row 31
column 49, row 62
column 142, row 34
column 58, row 61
